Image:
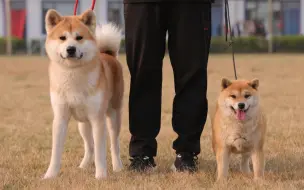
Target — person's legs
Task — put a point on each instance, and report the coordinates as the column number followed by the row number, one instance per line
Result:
column 189, row 40
column 145, row 31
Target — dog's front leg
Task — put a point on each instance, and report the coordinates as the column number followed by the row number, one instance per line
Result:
column 60, row 123
column 258, row 163
column 222, row 159
column 99, row 136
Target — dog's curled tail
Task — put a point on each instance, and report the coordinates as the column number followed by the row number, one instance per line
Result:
column 108, row 38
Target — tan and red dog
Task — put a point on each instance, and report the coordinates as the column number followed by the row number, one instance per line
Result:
column 86, row 82
column 239, row 127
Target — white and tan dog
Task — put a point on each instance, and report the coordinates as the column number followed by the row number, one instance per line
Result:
column 86, row 82
column 239, row 127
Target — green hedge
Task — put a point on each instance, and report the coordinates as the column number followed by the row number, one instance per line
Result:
column 281, row 44
column 19, row 46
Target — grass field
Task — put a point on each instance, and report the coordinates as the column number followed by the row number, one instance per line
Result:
column 25, row 130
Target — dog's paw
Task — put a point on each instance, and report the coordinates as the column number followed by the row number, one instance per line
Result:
column 49, row 175
column 239, row 144
column 101, row 175
column 221, row 179
column 117, row 166
column 258, row 180
column 84, row 165
column 245, row 169
column 86, row 162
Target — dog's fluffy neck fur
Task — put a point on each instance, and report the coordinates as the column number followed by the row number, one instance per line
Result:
column 82, row 78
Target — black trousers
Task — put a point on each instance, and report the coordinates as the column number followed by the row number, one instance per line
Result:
column 189, row 32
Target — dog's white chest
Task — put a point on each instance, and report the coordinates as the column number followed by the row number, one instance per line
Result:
column 240, row 137
column 78, row 92
column 85, row 107
column 81, row 106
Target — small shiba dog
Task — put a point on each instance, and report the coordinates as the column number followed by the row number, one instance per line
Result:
column 239, row 127
column 86, row 82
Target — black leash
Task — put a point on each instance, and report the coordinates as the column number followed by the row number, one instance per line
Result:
column 228, row 26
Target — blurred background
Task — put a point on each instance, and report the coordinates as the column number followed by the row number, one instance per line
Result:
column 257, row 25
column 267, row 36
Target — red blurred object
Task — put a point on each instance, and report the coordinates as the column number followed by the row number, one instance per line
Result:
column 18, row 23
column 280, row 25
column 76, row 5
column 93, row 4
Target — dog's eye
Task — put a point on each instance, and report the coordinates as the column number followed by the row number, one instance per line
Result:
column 233, row 96
column 62, row 38
column 79, row 38
column 247, row 96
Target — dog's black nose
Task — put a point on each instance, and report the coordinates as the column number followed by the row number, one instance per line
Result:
column 71, row 50
column 241, row 106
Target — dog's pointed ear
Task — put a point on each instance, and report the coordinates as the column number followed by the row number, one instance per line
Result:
column 89, row 19
column 254, row 83
column 52, row 18
column 225, row 83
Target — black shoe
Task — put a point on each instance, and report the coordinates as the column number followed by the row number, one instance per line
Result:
column 142, row 164
column 185, row 162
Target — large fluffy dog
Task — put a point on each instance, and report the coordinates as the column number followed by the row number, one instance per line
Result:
column 86, row 82
column 239, row 126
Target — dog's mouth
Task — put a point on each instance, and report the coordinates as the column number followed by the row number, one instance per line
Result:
column 240, row 113
column 72, row 56
column 235, row 111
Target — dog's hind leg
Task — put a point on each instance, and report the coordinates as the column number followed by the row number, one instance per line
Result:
column 85, row 131
column 244, row 166
column 114, row 125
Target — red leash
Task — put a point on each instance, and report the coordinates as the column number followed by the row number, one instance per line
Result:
column 76, row 6
column 93, row 4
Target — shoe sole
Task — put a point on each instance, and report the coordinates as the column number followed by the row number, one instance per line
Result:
column 174, row 169
column 154, row 169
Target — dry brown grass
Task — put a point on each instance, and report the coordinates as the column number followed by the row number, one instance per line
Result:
column 25, row 130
